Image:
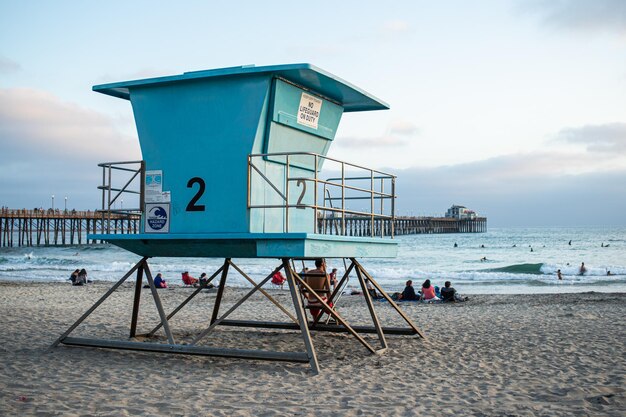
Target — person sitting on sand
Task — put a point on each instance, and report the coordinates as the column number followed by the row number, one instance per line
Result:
column 333, row 277
column 204, row 279
column 372, row 292
column 449, row 294
column 159, row 282
column 81, row 279
column 428, row 292
column 582, row 269
column 409, row 292
column 74, row 276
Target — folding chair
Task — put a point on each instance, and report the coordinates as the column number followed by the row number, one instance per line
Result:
column 320, row 283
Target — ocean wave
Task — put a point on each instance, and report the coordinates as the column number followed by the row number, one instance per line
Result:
column 534, row 269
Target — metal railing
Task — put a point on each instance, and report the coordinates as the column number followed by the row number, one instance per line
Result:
column 131, row 172
column 334, row 199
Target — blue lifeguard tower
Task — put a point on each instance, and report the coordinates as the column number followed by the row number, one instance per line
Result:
column 231, row 168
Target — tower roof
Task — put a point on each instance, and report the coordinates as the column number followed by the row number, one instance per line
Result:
column 308, row 76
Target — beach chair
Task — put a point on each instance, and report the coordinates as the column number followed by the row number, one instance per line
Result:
column 189, row 281
column 320, row 283
column 278, row 280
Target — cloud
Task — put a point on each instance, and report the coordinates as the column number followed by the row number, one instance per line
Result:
column 587, row 15
column 607, row 138
column 8, row 66
column 372, row 142
column 518, row 190
column 395, row 26
column 399, row 133
column 53, row 147
column 403, row 127
column 37, row 123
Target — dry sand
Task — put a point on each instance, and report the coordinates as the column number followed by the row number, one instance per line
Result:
column 544, row 355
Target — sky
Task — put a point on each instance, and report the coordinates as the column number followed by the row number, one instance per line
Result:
column 516, row 109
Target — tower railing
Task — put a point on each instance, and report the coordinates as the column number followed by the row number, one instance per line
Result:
column 350, row 191
column 119, row 179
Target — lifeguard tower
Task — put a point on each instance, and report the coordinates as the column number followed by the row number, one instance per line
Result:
column 231, row 169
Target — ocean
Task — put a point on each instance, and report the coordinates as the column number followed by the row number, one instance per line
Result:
column 498, row 261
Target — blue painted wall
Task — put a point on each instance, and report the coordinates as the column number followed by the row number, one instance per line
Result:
column 206, row 129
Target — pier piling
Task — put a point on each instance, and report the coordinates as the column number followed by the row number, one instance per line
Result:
column 21, row 227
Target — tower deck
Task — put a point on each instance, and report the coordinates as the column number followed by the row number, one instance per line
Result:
column 253, row 245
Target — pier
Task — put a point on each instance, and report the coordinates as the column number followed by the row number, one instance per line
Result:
column 21, row 227
column 362, row 226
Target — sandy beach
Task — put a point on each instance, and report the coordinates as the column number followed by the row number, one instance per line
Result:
column 558, row 354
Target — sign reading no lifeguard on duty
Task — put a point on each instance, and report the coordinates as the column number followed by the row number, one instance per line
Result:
column 309, row 110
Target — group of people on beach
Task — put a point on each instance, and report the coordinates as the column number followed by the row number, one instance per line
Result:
column 430, row 293
column 79, row 277
column 188, row 280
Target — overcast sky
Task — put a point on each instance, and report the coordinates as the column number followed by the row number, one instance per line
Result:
column 516, row 109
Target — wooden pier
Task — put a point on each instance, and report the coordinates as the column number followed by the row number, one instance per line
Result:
column 58, row 227
column 23, row 227
column 362, row 226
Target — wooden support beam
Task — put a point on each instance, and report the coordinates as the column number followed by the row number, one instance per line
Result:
column 136, row 300
column 181, row 305
column 159, row 306
column 332, row 328
column 304, row 328
column 97, row 304
column 386, row 296
column 188, row 350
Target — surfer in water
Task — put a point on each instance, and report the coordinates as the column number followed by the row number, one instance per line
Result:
column 582, row 269
column 558, row 274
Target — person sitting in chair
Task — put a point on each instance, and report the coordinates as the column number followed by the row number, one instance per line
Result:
column 189, row 280
column 319, row 282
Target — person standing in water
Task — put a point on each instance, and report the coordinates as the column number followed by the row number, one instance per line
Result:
column 558, row 274
column 582, row 269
